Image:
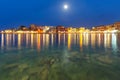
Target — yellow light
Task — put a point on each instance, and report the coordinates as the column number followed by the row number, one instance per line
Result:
column 47, row 40
column 19, row 41
column 69, row 41
column 38, row 42
column 81, row 41
column 93, row 39
column 114, row 31
column 32, row 36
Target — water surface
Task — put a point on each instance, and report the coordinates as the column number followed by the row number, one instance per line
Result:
column 60, row 56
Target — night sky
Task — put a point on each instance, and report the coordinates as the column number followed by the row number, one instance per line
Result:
column 14, row 13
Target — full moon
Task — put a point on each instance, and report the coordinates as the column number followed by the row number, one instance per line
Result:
column 65, row 6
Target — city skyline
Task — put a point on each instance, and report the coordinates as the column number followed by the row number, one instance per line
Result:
column 112, row 28
column 59, row 39
column 64, row 12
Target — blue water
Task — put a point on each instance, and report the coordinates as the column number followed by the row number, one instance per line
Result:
column 60, row 56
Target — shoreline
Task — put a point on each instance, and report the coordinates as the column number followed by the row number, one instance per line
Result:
column 26, row 32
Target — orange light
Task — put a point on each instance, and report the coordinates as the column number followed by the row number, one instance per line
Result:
column 69, row 41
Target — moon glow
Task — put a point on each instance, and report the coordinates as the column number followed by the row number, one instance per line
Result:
column 65, row 6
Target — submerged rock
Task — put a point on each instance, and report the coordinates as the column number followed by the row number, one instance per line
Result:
column 11, row 66
column 44, row 74
column 105, row 59
column 25, row 77
column 57, row 73
column 34, row 70
column 74, row 53
column 22, row 67
column 74, row 59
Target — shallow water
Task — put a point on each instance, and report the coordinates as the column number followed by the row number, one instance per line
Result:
column 59, row 56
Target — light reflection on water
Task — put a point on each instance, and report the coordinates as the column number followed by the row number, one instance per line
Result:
column 114, row 43
column 64, row 56
column 42, row 41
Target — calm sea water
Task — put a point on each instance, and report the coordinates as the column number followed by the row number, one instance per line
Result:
column 60, row 56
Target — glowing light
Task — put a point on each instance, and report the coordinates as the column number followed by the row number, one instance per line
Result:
column 43, row 40
column 59, row 37
column 86, row 39
column 81, row 41
column 7, row 40
column 27, row 39
column 2, row 41
column 114, row 31
column 107, row 40
column 32, row 40
column 114, row 43
column 47, row 40
column 52, row 39
column 38, row 42
column 99, row 40
column 64, row 39
column 69, row 41
column 19, row 41
column 8, row 31
column 13, row 39
column 93, row 40
column 65, row 6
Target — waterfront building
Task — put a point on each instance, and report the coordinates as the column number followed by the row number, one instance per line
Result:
column 33, row 27
column 117, row 25
column 60, row 29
